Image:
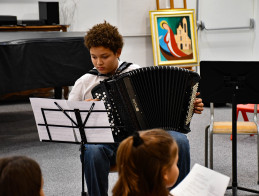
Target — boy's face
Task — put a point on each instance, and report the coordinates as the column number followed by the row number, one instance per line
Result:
column 104, row 60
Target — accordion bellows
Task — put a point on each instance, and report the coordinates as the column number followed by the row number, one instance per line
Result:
column 149, row 97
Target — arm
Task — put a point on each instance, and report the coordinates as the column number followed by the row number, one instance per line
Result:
column 76, row 92
column 82, row 88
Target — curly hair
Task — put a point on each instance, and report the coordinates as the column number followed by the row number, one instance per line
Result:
column 104, row 34
column 141, row 168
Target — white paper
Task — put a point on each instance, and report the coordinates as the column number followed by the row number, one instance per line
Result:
column 69, row 134
column 202, row 181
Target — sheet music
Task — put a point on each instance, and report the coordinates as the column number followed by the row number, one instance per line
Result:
column 93, row 135
column 95, row 119
column 202, row 181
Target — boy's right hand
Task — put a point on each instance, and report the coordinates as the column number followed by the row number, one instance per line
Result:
column 92, row 99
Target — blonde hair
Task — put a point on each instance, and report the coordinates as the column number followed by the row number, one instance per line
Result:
column 141, row 164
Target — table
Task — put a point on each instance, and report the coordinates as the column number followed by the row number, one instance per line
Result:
column 42, row 91
column 34, row 28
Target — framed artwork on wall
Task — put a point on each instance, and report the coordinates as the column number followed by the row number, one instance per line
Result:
column 174, row 37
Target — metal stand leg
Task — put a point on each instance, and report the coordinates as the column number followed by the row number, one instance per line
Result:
column 235, row 186
column 206, row 145
column 83, row 169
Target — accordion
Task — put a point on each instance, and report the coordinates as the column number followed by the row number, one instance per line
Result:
column 149, row 97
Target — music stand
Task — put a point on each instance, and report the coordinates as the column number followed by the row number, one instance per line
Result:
column 230, row 82
column 74, row 116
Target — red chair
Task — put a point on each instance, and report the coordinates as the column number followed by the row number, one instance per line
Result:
column 244, row 108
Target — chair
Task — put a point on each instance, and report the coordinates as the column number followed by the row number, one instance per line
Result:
column 225, row 127
column 244, row 108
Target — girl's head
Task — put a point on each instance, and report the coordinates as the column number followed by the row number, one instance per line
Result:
column 20, row 176
column 147, row 164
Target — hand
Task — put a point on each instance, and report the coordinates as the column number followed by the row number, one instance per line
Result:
column 92, row 99
column 198, row 105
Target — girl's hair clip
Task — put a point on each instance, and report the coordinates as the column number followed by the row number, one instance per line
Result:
column 137, row 140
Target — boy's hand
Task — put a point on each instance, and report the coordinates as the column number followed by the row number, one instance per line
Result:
column 198, row 105
column 92, row 99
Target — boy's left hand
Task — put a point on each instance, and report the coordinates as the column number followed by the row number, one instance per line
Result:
column 198, row 105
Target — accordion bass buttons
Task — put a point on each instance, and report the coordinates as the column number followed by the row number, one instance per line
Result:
column 97, row 95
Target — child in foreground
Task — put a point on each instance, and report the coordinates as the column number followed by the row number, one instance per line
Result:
column 20, row 176
column 147, row 164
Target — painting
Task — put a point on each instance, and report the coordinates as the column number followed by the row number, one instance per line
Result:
column 174, row 37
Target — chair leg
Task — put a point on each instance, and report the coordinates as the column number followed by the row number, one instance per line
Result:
column 211, row 149
column 258, row 158
column 206, row 145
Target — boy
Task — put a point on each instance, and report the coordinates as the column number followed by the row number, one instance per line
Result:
column 105, row 45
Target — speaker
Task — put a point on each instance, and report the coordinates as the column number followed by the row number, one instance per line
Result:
column 49, row 12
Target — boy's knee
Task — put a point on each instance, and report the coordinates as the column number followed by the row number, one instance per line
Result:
column 181, row 140
column 93, row 152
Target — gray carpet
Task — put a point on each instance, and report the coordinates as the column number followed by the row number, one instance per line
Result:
column 62, row 169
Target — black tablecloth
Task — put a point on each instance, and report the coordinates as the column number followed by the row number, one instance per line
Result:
column 30, row 60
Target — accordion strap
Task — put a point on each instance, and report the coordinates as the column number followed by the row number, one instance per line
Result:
column 122, row 67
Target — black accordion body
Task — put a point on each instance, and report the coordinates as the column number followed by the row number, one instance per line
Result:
column 149, row 97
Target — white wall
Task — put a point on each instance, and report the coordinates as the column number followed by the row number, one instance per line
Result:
column 237, row 44
column 132, row 18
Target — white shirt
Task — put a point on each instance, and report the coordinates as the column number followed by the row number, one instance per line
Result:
column 83, row 86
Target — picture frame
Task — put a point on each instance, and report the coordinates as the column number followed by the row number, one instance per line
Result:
column 174, row 37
